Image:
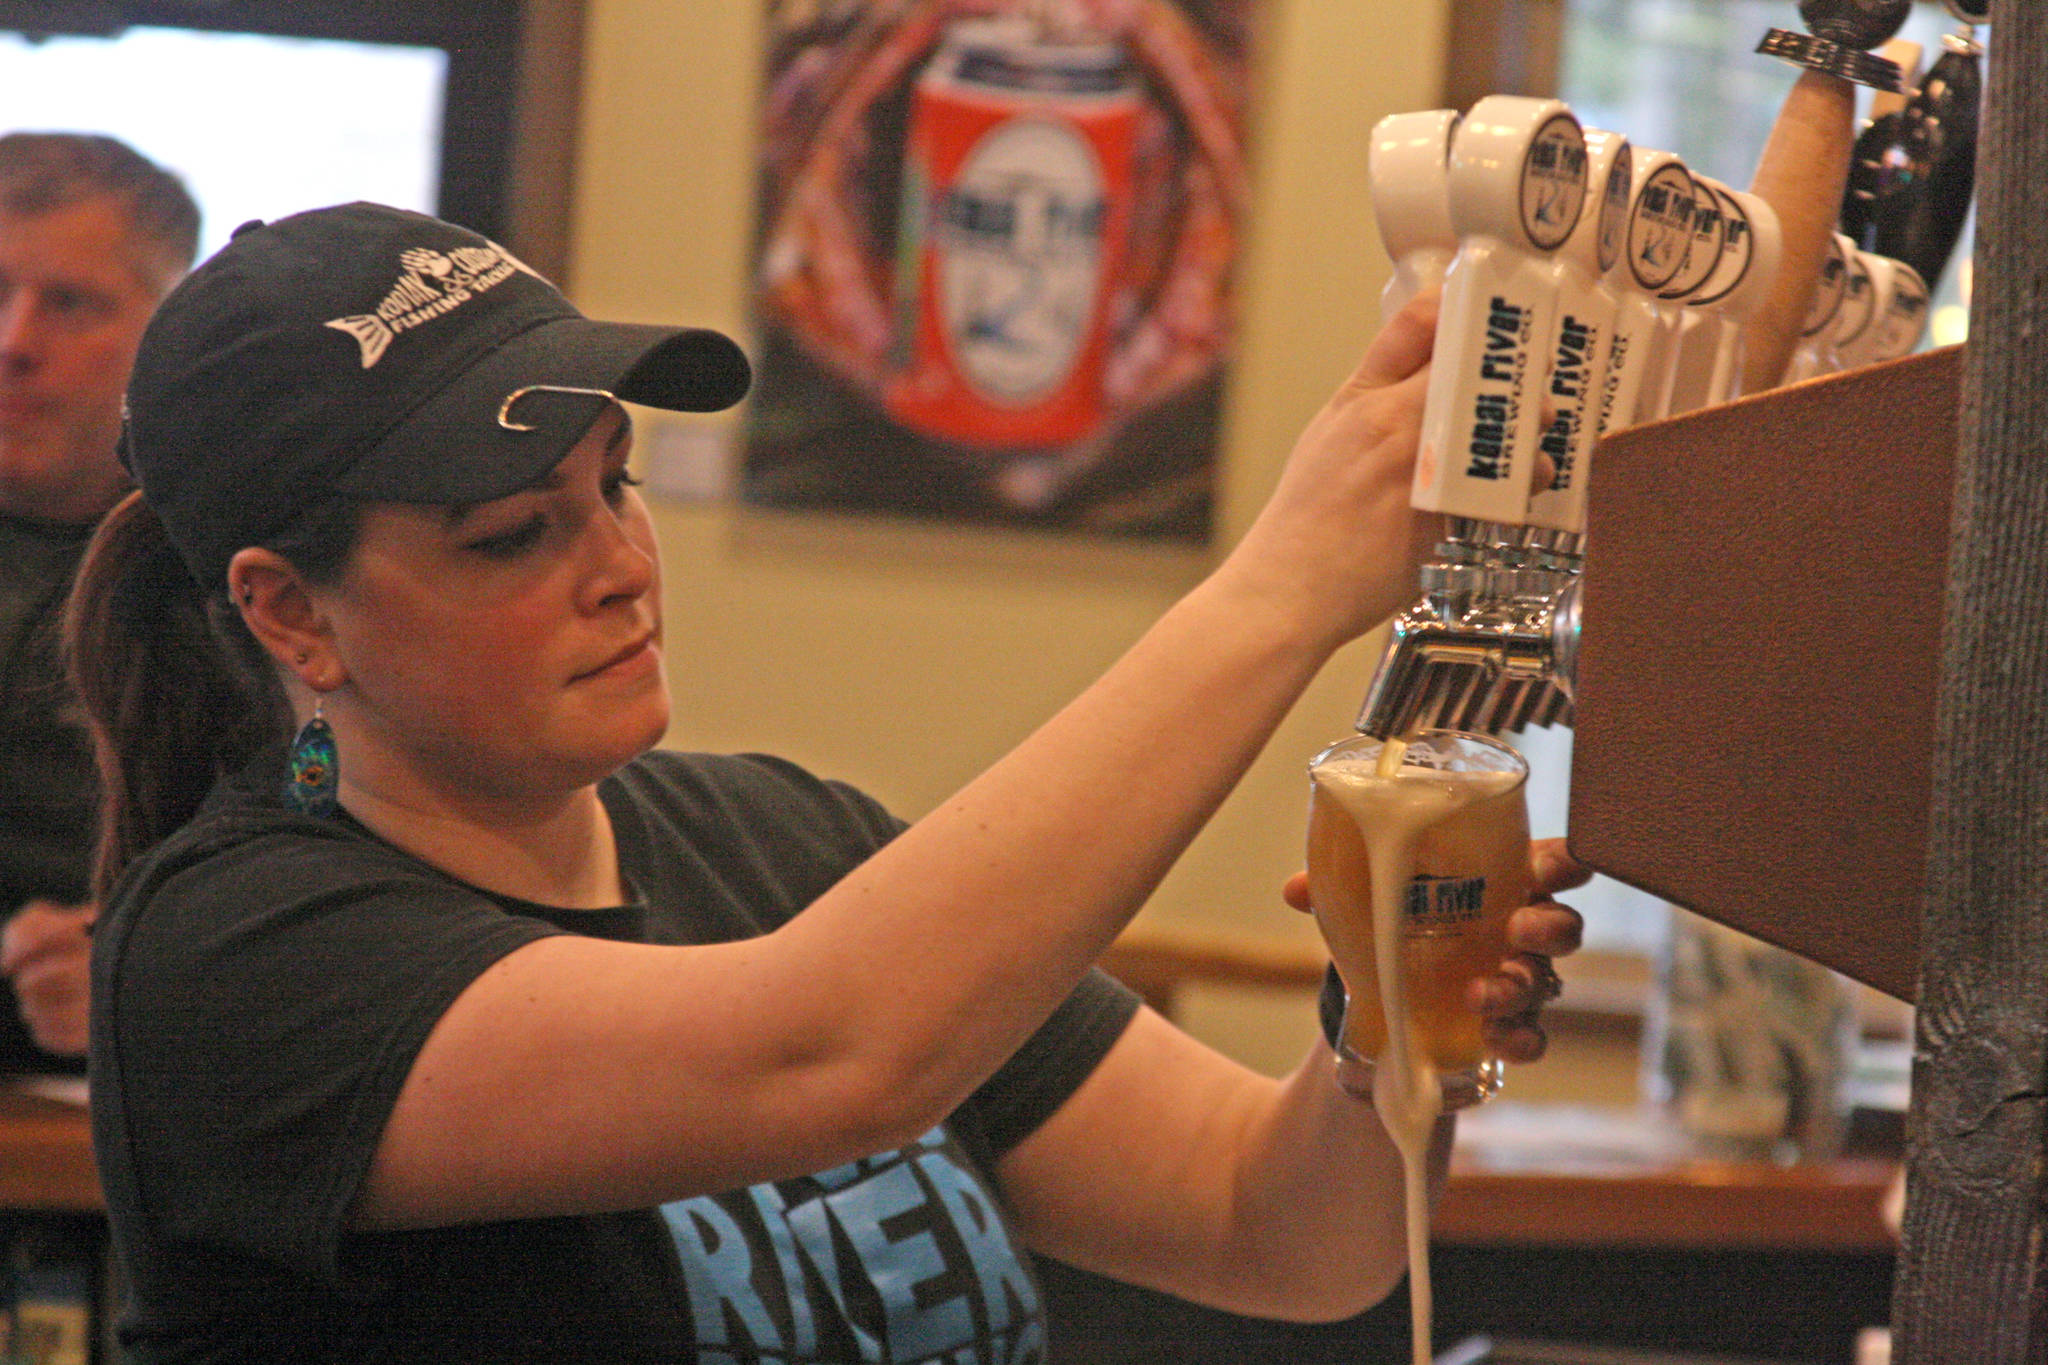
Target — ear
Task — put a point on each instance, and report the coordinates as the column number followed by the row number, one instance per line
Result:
column 281, row 611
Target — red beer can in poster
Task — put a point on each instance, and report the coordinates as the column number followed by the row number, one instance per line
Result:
column 1014, row 211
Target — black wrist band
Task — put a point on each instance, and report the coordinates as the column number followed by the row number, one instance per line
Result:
column 1330, row 1007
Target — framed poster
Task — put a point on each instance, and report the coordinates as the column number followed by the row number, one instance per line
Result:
column 993, row 265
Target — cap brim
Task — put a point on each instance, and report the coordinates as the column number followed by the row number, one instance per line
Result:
column 463, row 445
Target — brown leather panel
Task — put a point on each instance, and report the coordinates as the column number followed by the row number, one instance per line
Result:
column 1757, row 669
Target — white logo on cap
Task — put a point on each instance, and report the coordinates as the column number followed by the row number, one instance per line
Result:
column 434, row 282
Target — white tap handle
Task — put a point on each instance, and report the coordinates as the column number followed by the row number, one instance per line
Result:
column 1659, row 230
column 1709, row 366
column 1860, row 347
column 1749, row 268
column 1858, row 310
column 1809, row 356
column 1899, row 326
column 1583, row 339
column 1703, row 251
column 1703, row 330
column 1517, row 186
column 1411, row 201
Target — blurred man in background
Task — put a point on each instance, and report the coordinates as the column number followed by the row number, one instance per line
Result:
column 92, row 236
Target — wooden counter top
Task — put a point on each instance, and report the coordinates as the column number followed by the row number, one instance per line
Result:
column 45, row 1150
column 1540, row 1175
column 1700, row 1206
column 1523, row 1176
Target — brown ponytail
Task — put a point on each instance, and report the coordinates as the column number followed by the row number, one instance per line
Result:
column 176, row 691
column 169, row 707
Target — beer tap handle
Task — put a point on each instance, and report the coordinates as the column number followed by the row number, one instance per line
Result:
column 1904, row 317
column 1705, row 244
column 1864, row 343
column 1858, row 310
column 1814, row 354
column 1801, row 174
column 1699, row 330
column 1905, row 54
column 1409, row 166
column 1869, row 157
column 1582, row 345
column 1918, row 218
column 1517, row 180
column 1804, row 167
column 1659, row 232
column 1747, row 270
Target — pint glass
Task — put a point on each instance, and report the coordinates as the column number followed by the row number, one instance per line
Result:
column 1449, row 828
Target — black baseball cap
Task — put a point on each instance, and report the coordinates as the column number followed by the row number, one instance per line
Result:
column 372, row 353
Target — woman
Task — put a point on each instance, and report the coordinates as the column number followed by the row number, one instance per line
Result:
column 517, row 1041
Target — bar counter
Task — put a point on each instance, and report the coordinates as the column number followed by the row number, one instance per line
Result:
column 46, row 1148
column 1558, row 1223
column 1541, row 1175
column 1524, row 1176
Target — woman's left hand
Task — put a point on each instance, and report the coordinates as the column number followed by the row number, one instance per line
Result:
column 1512, row 997
column 1515, row 994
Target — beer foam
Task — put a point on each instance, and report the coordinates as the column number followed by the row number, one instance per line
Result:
column 1392, row 810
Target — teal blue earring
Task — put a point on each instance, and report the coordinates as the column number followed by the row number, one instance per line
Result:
column 316, row 768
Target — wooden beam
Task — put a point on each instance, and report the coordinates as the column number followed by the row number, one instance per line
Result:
column 1502, row 47
column 546, row 115
column 1971, row 1286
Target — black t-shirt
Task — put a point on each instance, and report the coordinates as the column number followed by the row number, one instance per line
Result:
column 261, row 984
column 48, row 787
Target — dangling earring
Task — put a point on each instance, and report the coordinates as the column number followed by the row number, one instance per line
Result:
column 316, row 767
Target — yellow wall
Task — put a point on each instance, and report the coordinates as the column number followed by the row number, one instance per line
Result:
column 905, row 657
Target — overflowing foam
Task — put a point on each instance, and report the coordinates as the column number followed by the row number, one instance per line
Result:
column 1400, row 821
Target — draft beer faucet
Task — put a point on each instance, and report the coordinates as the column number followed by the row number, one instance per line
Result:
column 1710, row 352
column 1529, row 323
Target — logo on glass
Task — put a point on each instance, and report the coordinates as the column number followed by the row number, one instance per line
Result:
column 1443, row 905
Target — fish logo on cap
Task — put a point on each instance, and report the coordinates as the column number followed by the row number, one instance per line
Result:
column 432, row 283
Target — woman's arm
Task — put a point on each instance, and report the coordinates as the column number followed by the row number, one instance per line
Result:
column 1175, row 1168
column 667, row 1071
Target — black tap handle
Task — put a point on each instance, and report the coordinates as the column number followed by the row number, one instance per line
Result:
column 1874, row 175
column 1913, row 172
column 1950, row 103
column 1862, row 24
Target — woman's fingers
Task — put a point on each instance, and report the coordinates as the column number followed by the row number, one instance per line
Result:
column 1545, row 927
column 1553, row 869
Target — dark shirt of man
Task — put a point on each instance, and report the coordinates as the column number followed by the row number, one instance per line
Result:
column 47, row 785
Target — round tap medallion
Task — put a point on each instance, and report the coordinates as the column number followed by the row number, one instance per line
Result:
column 1554, row 182
column 1660, row 229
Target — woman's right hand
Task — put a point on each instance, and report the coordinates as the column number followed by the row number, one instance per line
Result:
column 1337, row 545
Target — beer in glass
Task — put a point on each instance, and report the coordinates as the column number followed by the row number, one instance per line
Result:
column 1445, row 828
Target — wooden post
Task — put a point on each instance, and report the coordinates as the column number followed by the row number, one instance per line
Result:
column 1973, row 1271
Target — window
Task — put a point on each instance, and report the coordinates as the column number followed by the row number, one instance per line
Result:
column 338, row 120
column 1681, row 76
column 465, row 108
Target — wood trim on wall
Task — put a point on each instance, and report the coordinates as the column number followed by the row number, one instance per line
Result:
column 547, row 112
column 1502, row 47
